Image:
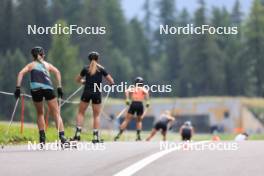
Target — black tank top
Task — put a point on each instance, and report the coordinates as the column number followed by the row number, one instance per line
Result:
column 92, row 80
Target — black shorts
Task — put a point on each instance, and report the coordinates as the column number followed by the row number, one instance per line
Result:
column 39, row 94
column 186, row 134
column 161, row 125
column 87, row 96
column 136, row 107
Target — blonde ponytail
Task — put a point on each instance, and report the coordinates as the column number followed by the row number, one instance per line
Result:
column 92, row 67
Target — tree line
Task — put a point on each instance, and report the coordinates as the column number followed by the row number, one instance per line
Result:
column 196, row 65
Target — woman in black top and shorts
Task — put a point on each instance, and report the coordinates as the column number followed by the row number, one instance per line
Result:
column 91, row 76
column 162, row 124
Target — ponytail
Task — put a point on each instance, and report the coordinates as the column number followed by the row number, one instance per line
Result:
column 92, row 67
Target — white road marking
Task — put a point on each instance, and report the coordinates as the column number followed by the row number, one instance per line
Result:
column 132, row 169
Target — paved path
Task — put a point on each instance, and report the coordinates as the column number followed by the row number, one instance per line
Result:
column 140, row 158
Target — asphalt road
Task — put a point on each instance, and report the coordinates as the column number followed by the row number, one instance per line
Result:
column 138, row 158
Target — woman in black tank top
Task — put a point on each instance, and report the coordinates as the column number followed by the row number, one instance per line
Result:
column 91, row 76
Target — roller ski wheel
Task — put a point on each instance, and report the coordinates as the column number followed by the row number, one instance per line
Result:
column 116, row 138
column 76, row 138
column 138, row 139
column 42, row 142
column 95, row 141
column 64, row 142
column 42, row 145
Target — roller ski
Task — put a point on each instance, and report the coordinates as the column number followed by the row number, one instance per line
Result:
column 42, row 139
column 64, row 142
column 118, row 135
column 116, row 138
column 77, row 136
column 138, row 139
column 138, row 135
column 96, row 138
column 95, row 141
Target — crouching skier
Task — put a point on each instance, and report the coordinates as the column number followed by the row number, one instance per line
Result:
column 91, row 76
column 164, row 123
column 42, row 88
column 137, row 95
column 186, row 131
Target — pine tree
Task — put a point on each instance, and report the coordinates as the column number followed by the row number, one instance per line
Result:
column 30, row 12
column 93, row 14
column 168, row 46
column 147, row 16
column 7, row 30
column 10, row 64
column 138, row 49
column 116, row 24
column 254, row 33
column 204, row 60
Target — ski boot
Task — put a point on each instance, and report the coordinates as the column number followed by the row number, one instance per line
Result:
column 95, row 141
column 138, row 138
column 42, row 141
column 116, row 138
column 65, row 143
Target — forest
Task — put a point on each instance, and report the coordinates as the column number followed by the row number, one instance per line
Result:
column 196, row 65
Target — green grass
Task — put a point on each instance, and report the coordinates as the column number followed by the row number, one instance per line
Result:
column 31, row 134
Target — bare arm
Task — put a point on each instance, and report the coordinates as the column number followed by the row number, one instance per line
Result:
column 192, row 131
column 109, row 79
column 79, row 79
column 127, row 93
column 57, row 74
column 180, row 131
column 171, row 118
column 21, row 74
column 147, row 98
column 170, row 124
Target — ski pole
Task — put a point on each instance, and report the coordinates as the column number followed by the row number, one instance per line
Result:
column 107, row 95
column 74, row 93
column 121, row 113
column 11, row 120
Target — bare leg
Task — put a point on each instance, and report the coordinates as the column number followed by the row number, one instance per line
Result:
column 128, row 118
column 139, row 127
column 139, row 123
column 80, row 120
column 54, row 109
column 164, row 133
column 40, row 115
column 81, row 113
column 153, row 132
column 124, row 125
column 96, row 122
column 96, row 113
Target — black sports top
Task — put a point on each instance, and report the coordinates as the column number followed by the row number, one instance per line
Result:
column 92, row 80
